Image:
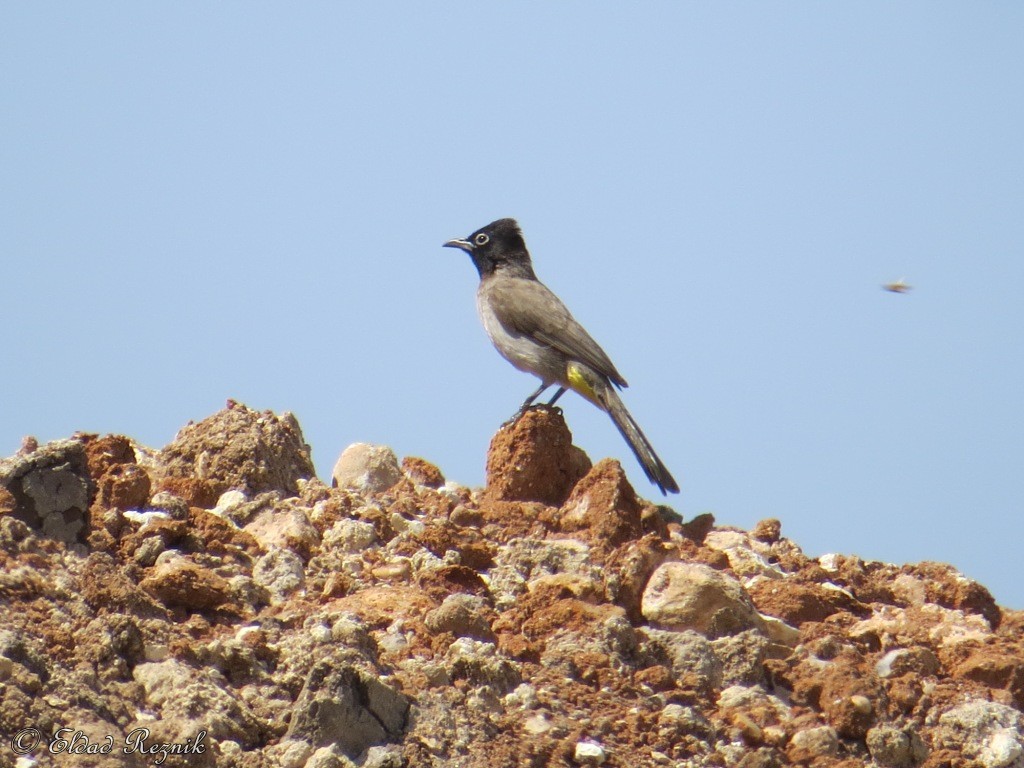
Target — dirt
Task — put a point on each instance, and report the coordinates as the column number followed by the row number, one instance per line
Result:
column 215, row 604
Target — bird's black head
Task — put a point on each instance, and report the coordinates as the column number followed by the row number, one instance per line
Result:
column 497, row 247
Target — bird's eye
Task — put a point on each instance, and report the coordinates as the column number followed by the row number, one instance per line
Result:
column 481, row 239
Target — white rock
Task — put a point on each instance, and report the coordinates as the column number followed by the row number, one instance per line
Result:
column 366, row 467
column 350, row 536
column 227, row 501
column 910, row 589
column 883, row 667
column 695, row 596
column 780, row 632
column 292, row 753
column 536, row 725
column 1002, row 749
column 726, row 539
column 822, row 740
column 143, row 518
column 945, row 626
column 837, row 588
column 590, row 753
column 404, row 525
column 284, row 527
column 754, row 698
column 830, row 562
column 991, row 733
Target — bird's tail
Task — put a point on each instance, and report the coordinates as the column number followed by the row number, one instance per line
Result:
column 599, row 391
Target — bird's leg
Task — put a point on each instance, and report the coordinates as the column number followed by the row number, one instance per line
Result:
column 558, row 394
column 527, row 403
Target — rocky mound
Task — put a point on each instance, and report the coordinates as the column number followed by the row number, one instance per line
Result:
column 214, row 603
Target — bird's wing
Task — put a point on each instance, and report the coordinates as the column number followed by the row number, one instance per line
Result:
column 530, row 308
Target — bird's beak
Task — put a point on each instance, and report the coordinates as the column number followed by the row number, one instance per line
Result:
column 463, row 245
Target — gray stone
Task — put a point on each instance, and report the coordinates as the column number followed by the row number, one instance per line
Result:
column 753, row 698
column 350, row 631
column 479, row 663
column 460, row 614
column 675, row 718
column 239, row 448
column 51, row 488
column 384, row 757
column 894, row 748
column 345, row 706
column 684, row 653
column 191, row 700
column 742, row 657
column 524, row 561
column 280, row 572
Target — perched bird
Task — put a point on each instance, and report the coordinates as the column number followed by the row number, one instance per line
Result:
column 534, row 331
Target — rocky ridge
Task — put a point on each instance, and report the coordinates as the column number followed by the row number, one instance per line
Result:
column 214, row 603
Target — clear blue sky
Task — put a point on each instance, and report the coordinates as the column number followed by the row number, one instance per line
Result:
column 247, row 200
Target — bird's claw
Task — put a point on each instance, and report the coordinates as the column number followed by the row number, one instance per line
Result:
column 556, row 409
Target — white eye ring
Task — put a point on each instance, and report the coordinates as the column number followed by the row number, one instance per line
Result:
column 481, row 239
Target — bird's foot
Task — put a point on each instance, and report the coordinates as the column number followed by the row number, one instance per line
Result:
column 533, row 407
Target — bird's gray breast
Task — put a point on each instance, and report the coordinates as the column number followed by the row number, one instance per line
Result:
column 519, row 349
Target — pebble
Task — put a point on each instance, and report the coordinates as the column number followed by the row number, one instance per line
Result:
column 590, row 753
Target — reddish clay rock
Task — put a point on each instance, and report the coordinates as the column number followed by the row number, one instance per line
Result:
column 105, row 452
column 995, row 668
column 106, row 585
column 119, row 480
column 242, row 449
column 697, row 529
column 7, row 502
column 179, row 583
column 451, row 579
column 533, row 459
column 795, row 602
column 604, row 507
column 768, row 530
column 125, row 486
column 193, row 491
column 507, row 520
column 379, row 606
column 474, row 550
column 869, row 582
column 214, row 535
column 946, row 586
column 917, row 661
column 422, row 472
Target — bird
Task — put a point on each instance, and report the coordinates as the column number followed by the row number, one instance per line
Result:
column 532, row 329
column 899, row 286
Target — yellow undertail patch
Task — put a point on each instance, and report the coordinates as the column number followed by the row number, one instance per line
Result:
column 579, row 383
